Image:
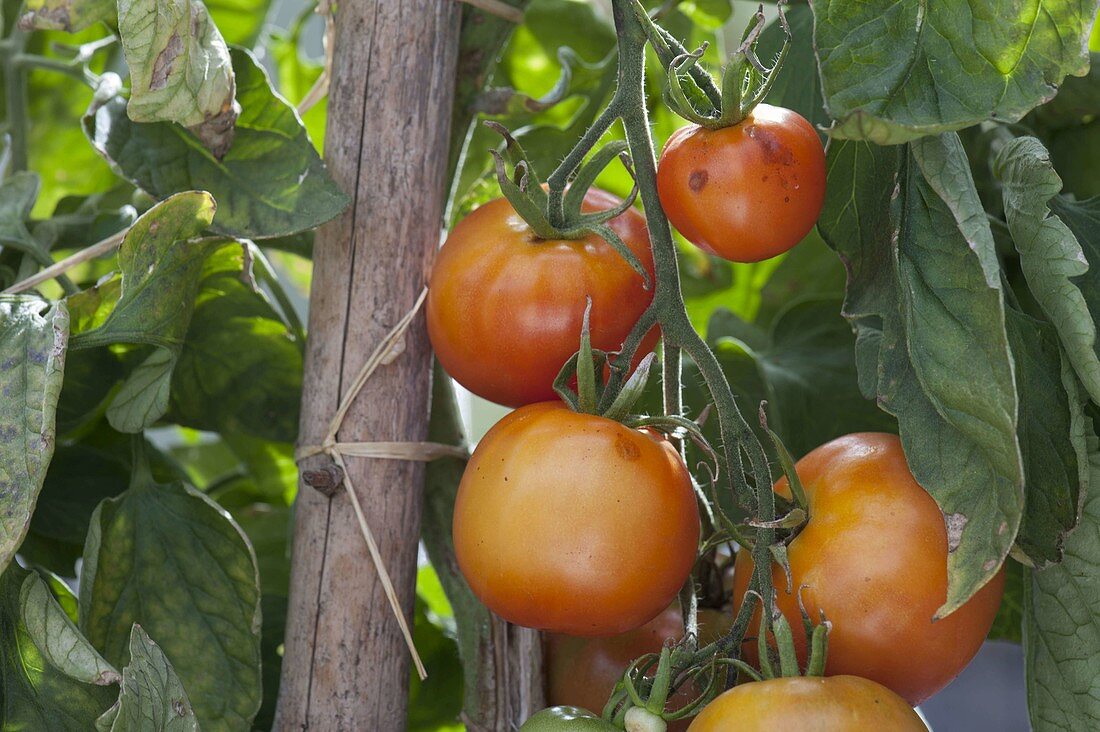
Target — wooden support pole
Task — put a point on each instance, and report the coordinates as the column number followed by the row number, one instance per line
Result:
column 346, row 666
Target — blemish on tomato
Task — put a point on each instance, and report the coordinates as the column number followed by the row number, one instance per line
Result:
column 627, row 450
column 774, row 150
column 697, row 180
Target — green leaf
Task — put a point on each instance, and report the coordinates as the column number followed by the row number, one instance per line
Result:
column 894, row 71
column 168, row 558
column 571, row 23
column 161, row 263
column 66, row 15
column 36, row 694
column 241, row 368
column 797, row 85
column 57, row 148
column 1052, row 438
column 1077, row 102
column 925, row 297
column 1050, row 255
column 434, row 704
column 709, row 14
column 1075, row 152
column 179, row 68
column 804, row 369
column 57, row 638
column 1008, row 624
column 17, row 197
column 1062, row 628
column 239, row 21
column 81, row 475
column 271, row 182
column 153, row 698
column 33, row 337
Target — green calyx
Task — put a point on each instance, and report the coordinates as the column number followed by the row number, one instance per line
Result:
column 555, row 212
column 745, row 80
column 592, row 395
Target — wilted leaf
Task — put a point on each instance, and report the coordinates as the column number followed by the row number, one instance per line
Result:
column 924, row 293
column 36, row 694
column 168, row 558
column 33, row 337
column 1050, row 256
column 894, row 71
column 270, row 183
column 153, row 698
column 179, row 68
column 1062, row 628
column 1052, row 438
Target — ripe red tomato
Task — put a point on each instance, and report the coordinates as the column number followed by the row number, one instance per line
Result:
column 746, row 192
column 873, row 555
column 836, row 704
column 582, row 672
column 574, row 523
column 505, row 308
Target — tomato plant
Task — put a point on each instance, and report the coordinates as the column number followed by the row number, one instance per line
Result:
column 746, row 192
column 834, row 704
column 495, row 275
column 223, row 493
column 574, row 523
column 873, row 558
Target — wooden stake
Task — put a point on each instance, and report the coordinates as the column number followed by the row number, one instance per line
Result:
column 346, row 666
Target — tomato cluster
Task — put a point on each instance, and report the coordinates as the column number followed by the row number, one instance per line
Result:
column 576, row 524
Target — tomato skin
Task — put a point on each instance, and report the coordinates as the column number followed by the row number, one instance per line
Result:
column 808, row 704
column 747, row 192
column 566, row 719
column 874, row 557
column 504, row 308
column 582, row 672
column 574, row 523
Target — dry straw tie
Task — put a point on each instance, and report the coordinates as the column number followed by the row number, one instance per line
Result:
column 386, row 352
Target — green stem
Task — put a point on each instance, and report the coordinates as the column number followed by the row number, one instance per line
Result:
column 560, row 177
column 678, row 332
column 15, row 93
column 34, row 61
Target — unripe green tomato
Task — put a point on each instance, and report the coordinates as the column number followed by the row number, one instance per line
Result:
column 567, row 719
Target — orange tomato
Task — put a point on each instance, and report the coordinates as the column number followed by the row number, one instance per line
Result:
column 582, row 672
column 574, row 523
column 809, row 704
column 747, row 192
column 873, row 556
column 505, row 308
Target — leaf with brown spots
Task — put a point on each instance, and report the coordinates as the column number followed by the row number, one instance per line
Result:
column 180, row 69
column 33, row 339
column 66, row 15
